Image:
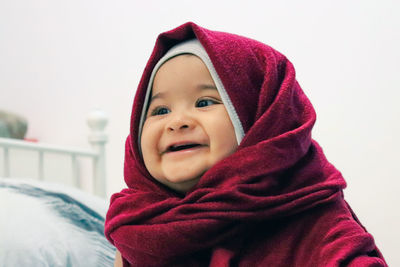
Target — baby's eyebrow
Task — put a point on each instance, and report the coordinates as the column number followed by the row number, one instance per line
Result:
column 158, row 95
column 200, row 87
column 207, row 86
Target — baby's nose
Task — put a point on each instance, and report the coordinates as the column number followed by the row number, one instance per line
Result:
column 180, row 123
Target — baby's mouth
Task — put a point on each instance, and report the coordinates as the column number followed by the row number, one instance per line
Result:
column 174, row 148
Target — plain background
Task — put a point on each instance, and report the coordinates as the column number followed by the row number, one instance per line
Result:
column 60, row 59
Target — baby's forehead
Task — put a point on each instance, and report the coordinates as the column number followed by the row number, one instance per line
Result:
column 183, row 70
column 185, row 60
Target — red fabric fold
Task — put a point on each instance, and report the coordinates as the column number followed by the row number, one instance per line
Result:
column 276, row 201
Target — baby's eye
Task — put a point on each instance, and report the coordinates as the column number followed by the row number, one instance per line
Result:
column 159, row 111
column 206, row 102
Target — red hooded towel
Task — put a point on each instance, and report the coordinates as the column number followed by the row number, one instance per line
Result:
column 276, row 201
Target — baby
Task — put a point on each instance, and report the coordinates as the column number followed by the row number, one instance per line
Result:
column 221, row 168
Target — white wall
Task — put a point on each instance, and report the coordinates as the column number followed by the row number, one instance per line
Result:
column 59, row 59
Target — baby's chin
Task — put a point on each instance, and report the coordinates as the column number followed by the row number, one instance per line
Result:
column 180, row 179
column 183, row 185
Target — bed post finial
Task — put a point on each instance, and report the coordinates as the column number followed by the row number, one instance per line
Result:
column 97, row 121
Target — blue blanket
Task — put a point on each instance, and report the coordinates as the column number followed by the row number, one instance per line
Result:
column 40, row 226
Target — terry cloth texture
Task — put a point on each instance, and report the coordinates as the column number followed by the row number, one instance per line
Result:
column 276, row 201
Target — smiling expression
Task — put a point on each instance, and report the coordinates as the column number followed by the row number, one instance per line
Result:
column 187, row 128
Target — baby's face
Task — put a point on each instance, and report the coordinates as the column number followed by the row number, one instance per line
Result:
column 187, row 128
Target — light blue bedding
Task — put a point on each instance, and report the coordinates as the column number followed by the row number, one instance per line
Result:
column 51, row 225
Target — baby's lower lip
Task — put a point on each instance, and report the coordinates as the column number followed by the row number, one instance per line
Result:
column 185, row 151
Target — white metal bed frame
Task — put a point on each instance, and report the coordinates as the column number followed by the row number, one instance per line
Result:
column 97, row 121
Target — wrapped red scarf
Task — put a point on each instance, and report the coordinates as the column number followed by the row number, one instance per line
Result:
column 276, row 201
